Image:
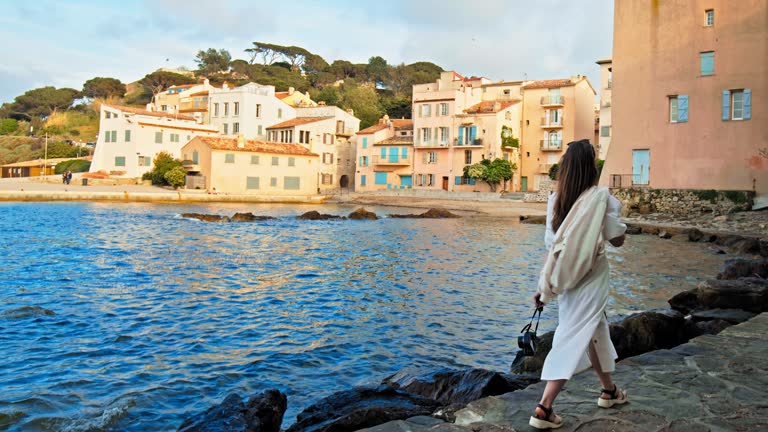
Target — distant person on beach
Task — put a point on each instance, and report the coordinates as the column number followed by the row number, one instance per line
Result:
column 580, row 218
column 69, row 177
column 64, row 177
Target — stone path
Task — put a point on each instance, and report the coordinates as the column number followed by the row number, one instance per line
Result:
column 712, row 383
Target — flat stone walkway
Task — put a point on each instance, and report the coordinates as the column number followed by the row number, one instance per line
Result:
column 712, row 383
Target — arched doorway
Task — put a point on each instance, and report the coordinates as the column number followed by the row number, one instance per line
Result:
column 344, row 181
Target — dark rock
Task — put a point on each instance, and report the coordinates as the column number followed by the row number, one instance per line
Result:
column 315, row 215
column 739, row 267
column 711, row 327
column 746, row 246
column 634, row 230
column 533, row 364
column 665, row 235
column 749, row 294
column 429, row 214
column 695, row 235
column 764, row 248
column 248, row 217
column 733, row 316
column 262, row 413
column 362, row 214
column 650, row 230
column 645, row 209
column 533, row 220
column 205, row 217
column 360, row 408
column 26, row 312
column 450, row 387
column 680, row 238
column 728, row 240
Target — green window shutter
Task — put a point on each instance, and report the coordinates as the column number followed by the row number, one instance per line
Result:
column 291, row 183
column 747, row 104
column 195, row 157
column 365, row 142
column 128, row 135
column 158, row 137
column 682, row 108
column 383, row 152
column 229, row 158
column 424, row 157
column 471, row 182
column 252, row 183
column 362, row 180
column 381, row 178
column 461, row 135
column 360, row 162
column 726, row 105
column 106, row 136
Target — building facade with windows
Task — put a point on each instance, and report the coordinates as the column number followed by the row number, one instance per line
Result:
column 554, row 113
column 188, row 99
column 690, row 80
column 240, row 166
column 247, row 110
column 606, row 82
column 385, row 156
column 130, row 138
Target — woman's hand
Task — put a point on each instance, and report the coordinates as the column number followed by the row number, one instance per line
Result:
column 537, row 300
column 618, row 241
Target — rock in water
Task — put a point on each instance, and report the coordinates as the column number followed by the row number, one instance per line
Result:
column 533, row 220
column 429, row 214
column 361, row 407
column 738, row 268
column 665, row 235
column 205, row 217
column 315, row 215
column 262, row 413
column 27, row 311
column 695, row 235
column 249, row 217
column 750, row 294
column 362, row 214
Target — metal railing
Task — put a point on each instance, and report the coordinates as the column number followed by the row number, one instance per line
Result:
column 628, row 180
column 552, row 100
column 551, row 145
column 546, row 122
column 476, row 142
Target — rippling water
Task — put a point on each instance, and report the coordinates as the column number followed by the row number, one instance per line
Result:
column 127, row 317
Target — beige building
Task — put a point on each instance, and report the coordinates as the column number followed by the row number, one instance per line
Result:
column 188, row 99
column 385, row 156
column 329, row 131
column 554, row 113
column 295, row 98
column 606, row 82
column 691, row 79
column 240, row 166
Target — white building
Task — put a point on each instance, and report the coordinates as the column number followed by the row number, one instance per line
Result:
column 606, row 81
column 190, row 99
column 247, row 110
column 130, row 138
column 328, row 131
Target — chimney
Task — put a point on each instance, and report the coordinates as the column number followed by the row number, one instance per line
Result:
column 321, row 103
column 291, row 90
column 225, row 86
column 351, row 112
column 240, row 141
column 206, row 82
column 150, row 107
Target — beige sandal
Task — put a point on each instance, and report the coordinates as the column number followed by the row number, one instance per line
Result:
column 617, row 397
column 550, row 420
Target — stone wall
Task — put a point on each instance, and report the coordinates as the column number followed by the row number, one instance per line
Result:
column 546, row 185
column 682, row 202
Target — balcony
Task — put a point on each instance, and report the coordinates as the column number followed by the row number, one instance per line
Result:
column 198, row 104
column 345, row 131
column 432, row 143
column 628, row 180
column 544, row 168
column 476, row 142
column 393, row 160
column 551, row 145
column 552, row 100
column 191, row 166
column 549, row 123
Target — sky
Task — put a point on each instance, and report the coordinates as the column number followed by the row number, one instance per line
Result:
column 64, row 43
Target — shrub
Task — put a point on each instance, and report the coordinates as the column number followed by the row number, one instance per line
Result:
column 163, row 163
column 8, row 126
column 706, row 195
column 553, row 171
column 736, row 197
column 176, row 177
column 600, row 164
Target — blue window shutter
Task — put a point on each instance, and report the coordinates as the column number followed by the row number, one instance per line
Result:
column 682, row 108
column 726, row 105
column 405, row 152
column 747, row 104
column 472, row 134
column 472, row 182
column 365, row 142
column 707, row 63
column 361, row 161
column 362, row 180
column 461, row 135
column 383, row 152
column 458, row 180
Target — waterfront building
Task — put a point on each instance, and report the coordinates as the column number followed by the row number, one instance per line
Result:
column 385, row 156
column 240, row 166
column 189, row 99
column 555, row 112
column 247, row 110
column 606, row 82
column 329, row 131
column 690, row 110
column 30, row 168
column 296, row 98
column 130, row 138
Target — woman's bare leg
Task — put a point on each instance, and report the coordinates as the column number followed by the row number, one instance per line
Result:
column 551, row 391
column 605, row 377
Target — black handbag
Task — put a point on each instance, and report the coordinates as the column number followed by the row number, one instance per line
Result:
column 528, row 341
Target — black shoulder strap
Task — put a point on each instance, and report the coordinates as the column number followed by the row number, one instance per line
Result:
column 530, row 324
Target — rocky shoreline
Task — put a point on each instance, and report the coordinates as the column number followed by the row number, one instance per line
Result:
column 432, row 398
column 358, row 214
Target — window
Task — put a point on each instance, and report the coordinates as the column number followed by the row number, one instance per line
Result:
column 236, row 108
column 107, row 114
column 229, row 158
column 426, row 110
column 468, row 157
column 442, row 109
column 107, row 135
column 147, row 161
column 464, row 181
column 291, row 183
column 251, row 182
column 507, row 92
column 128, row 136
column 291, row 161
column 304, row 137
column 710, row 17
column 363, row 160
column 362, row 180
column 326, row 179
column 381, row 178
column 195, row 157
column 258, row 110
column 119, row 161
column 158, row 137
column 216, row 110
column 467, row 135
column 254, row 159
column 365, row 142
column 275, row 161
column 273, row 181
column 737, row 104
column 426, row 136
column 164, row 108
column 327, row 158
column 605, row 131
column 225, row 129
column 444, row 136
column 707, row 63
column 430, row 158
column 174, row 137
column 279, row 113
column 678, row 109
column 226, row 109
column 114, row 136
column 260, row 130
column 235, row 128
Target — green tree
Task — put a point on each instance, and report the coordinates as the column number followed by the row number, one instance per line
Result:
column 43, row 101
column 364, row 101
column 103, row 88
column 508, row 138
column 163, row 163
column 492, row 172
column 377, row 70
column 176, row 177
column 57, row 149
column 330, row 95
column 396, row 106
column 267, row 52
column 553, row 171
column 8, row 126
column 212, row 61
column 160, row 80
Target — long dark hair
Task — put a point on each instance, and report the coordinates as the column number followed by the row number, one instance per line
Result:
column 577, row 173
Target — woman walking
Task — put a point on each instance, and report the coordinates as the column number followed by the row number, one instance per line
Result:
column 580, row 218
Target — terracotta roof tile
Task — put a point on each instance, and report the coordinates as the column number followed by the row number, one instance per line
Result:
column 182, row 86
column 140, row 111
column 297, row 122
column 555, row 83
column 396, row 123
column 406, row 140
column 489, row 107
column 281, row 95
column 255, row 146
